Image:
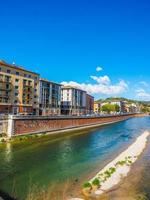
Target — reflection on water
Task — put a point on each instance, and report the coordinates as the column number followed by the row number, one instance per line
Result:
column 8, row 152
column 44, row 162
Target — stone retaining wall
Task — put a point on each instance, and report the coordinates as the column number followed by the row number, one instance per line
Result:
column 20, row 125
column 45, row 124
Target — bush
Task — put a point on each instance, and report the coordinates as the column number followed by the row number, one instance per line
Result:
column 123, row 162
column 87, row 185
column 112, row 170
column 107, row 173
column 96, row 182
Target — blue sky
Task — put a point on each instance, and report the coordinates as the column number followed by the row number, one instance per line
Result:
column 65, row 41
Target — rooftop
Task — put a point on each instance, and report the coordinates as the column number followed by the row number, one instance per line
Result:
column 48, row 81
column 2, row 62
column 72, row 87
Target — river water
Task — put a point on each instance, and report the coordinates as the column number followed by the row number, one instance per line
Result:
column 74, row 157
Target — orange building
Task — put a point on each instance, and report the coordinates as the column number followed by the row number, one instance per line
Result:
column 18, row 90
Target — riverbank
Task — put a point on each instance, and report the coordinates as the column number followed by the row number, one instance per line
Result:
column 116, row 170
column 136, row 185
column 75, row 157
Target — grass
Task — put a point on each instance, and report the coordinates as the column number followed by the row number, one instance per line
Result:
column 52, row 193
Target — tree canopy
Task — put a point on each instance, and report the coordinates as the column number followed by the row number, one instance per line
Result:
column 110, row 108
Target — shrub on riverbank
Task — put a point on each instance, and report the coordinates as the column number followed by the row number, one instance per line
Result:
column 96, row 182
column 87, row 185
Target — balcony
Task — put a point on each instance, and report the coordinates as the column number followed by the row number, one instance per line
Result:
column 5, row 89
column 3, row 80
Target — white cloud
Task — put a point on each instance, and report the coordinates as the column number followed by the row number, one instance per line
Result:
column 144, row 83
column 98, row 68
column 142, row 94
column 103, row 86
column 101, row 79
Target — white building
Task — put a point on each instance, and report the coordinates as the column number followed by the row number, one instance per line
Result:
column 73, row 101
column 49, row 97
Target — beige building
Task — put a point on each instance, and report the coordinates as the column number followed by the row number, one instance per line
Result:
column 18, row 90
column 97, row 107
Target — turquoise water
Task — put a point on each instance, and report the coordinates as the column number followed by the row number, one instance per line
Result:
column 45, row 161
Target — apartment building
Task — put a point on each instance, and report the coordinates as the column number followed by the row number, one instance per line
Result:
column 131, row 107
column 49, row 97
column 97, row 107
column 18, row 90
column 73, row 101
column 89, row 104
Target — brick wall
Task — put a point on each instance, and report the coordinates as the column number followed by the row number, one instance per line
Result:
column 40, row 124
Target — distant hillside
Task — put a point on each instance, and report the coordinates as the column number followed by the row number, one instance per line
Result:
column 145, row 102
column 123, row 99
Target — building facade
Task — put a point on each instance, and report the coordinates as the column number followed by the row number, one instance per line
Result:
column 18, row 90
column 97, row 107
column 89, row 104
column 131, row 108
column 49, row 97
column 73, row 101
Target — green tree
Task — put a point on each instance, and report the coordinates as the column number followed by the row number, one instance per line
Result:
column 108, row 108
column 117, row 108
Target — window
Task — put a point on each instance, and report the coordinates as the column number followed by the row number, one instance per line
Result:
column 7, row 78
column 15, row 101
column 29, row 82
column 25, row 75
column 16, row 87
column 16, row 94
column 29, row 76
column 17, row 73
column 16, row 80
column 7, row 86
column 8, row 71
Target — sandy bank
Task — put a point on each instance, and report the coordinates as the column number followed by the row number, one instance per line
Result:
column 122, row 168
column 116, row 170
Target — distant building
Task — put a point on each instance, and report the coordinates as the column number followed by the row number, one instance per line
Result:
column 18, row 90
column 89, row 104
column 97, row 107
column 49, row 97
column 132, row 107
column 73, row 101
